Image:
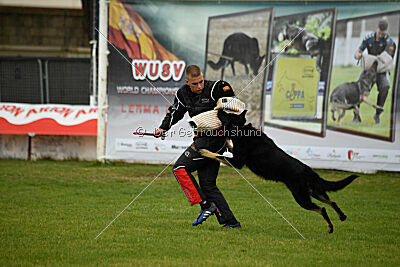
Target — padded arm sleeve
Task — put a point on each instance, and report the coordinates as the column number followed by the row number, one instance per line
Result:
column 390, row 47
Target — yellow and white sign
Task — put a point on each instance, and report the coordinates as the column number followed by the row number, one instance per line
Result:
column 295, row 86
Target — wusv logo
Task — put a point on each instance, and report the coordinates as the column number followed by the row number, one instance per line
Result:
column 156, row 69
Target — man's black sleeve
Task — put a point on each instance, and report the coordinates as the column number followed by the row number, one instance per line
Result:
column 222, row 89
column 390, row 47
column 175, row 113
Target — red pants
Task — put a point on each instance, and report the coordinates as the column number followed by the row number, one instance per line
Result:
column 207, row 170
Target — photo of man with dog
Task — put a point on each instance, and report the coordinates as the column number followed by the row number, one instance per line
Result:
column 365, row 85
column 300, row 57
column 381, row 45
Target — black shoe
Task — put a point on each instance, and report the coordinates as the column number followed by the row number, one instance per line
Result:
column 229, row 226
column 204, row 214
column 377, row 119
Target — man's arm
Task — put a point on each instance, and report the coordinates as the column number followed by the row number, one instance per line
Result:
column 358, row 54
column 390, row 47
column 359, row 51
column 175, row 114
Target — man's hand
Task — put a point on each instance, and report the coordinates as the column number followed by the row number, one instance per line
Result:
column 358, row 54
column 160, row 133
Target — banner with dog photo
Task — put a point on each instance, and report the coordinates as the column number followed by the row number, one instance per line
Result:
column 149, row 49
column 236, row 50
column 363, row 91
column 299, row 71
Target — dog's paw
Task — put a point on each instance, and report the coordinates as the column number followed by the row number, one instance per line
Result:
column 330, row 229
column 343, row 217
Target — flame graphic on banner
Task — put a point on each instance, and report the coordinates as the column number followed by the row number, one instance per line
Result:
column 129, row 31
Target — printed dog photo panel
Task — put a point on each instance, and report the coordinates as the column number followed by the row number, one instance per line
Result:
column 363, row 93
column 237, row 52
column 299, row 71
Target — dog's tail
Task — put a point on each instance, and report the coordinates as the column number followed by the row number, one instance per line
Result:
column 337, row 185
column 216, row 66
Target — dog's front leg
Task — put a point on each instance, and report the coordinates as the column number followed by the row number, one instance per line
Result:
column 208, row 154
column 229, row 144
column 365, row 99
column 235, row 162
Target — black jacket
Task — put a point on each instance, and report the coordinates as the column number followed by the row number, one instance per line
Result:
column 187, row 101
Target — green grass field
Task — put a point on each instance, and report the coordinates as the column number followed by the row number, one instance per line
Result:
column 52, row 211
column 349, row 74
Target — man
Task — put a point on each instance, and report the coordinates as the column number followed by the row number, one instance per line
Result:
column 195, row 97
column 377, row 43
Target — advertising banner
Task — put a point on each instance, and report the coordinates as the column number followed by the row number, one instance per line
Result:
column 306, row 41
column 47, row 119
column 348, row 75
column 237, row 53
column 294, row 95
column 143, row 77
column 294, row 56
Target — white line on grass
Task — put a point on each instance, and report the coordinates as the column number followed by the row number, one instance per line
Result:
column 136, row 197
column 266, row 200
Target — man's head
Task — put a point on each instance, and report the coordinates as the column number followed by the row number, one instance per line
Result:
column 382, row 29
column 194, row 79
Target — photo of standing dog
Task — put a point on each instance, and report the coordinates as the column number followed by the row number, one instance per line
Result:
column 253, row 148
column 239, row 47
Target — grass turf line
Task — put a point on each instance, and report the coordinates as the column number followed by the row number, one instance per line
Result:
column 51, row 211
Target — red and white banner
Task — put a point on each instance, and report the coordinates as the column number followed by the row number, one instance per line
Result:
column 47, row 119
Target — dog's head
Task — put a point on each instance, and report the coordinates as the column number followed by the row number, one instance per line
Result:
column 292, row 31
column 230, row 120
column 368, row 77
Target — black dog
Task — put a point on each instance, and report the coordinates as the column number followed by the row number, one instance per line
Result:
column 349, row 95
column 242, row 48
column 304, row 41
column 261, row 155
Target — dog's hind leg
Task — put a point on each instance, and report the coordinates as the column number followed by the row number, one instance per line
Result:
column 233, row 67
column 356, row 112
column 342, row 112
column 246, row 68
column 322, row 211
column 325, row 198
column 302, row 197
column 333, row 115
